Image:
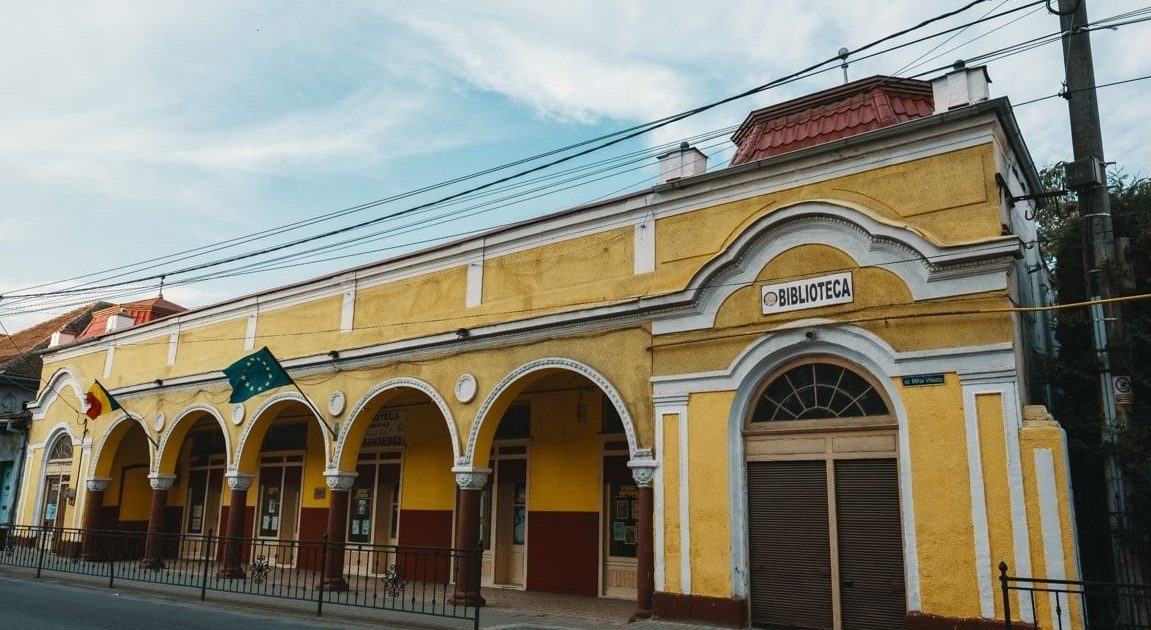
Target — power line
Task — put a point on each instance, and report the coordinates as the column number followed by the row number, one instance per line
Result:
column 599, row 144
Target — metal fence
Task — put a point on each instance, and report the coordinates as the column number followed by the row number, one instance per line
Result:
column 1064, row 604
column 421, row 580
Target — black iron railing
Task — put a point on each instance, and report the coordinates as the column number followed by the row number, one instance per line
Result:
column 1064, row 604
column 422, row 580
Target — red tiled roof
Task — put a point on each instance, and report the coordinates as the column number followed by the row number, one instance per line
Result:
column 18, row 352
column 141, row 312
column 840, row 112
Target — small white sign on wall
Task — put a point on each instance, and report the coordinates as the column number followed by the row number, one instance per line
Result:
column 797, row 295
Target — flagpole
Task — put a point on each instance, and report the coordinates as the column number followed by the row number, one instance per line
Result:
column 129, row 414
column 320, row 416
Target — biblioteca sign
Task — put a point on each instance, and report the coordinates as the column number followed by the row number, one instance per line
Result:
column 810, row 293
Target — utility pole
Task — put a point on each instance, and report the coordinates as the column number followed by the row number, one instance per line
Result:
column 1087, row 176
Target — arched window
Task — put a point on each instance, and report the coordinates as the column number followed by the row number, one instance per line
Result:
column 61, row 450
column 816, row 391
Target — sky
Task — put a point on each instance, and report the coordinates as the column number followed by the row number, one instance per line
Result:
column 132, row 131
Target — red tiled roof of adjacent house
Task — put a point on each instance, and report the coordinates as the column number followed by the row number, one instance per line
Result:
column 18, row 356
column 141, row 312
column 840, row 112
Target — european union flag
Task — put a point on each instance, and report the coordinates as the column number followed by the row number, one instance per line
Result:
column 255, row 374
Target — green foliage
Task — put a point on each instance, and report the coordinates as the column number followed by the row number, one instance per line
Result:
column 1074, row 374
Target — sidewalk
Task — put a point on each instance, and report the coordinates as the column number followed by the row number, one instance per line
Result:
column 506, row 610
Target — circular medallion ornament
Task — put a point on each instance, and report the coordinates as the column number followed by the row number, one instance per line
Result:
column 336, row 403
column 466, row 388
column 237, row 414
column 158, row 422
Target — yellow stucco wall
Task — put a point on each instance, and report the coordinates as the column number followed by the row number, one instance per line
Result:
column 564, row 473
column 672, row 529
column 710, row 504
column 428, row 483
column 942, row 497
column 993, row 452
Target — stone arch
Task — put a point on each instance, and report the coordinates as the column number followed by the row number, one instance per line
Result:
column 854, row 345
column 395, row 384
column 257, row 421
column 866, row 239
column 63, row 377
column 551, row 363
column 178, row 430
column 111, row 440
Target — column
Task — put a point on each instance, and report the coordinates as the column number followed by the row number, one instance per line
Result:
column 232, row 542
column 339, row 483
column 643, row 470
column 94, row 547
column 154, row 547
column 471, row 482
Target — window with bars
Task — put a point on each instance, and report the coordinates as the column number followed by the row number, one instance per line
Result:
column 818, row 390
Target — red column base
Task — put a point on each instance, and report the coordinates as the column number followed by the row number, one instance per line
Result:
column 335, row 584
column 467, row 599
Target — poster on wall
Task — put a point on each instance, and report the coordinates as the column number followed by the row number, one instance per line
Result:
column 386, row 429
column 617, row 533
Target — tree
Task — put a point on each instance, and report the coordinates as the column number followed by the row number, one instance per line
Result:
column 1074, row 372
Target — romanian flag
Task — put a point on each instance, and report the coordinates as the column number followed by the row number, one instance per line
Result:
column 99, row 401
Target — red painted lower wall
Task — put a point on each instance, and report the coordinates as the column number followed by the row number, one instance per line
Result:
column 563, row 552
column 425, row 537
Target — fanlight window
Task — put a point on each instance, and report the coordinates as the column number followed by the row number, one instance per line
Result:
column 816, row 391
column 61, row 450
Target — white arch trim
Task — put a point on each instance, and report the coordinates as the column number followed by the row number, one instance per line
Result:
column 550, row 363
column 99, row 449
column 51, row 391
column 264, row 406
column 867, row 240
column 60, row 428
column 397, row 383
column 184, row 413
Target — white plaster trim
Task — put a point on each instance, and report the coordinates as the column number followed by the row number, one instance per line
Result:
column 257, row 416
column 475, row 283
column 108, row 429
column 250, row 332
column 51, row 391
column 1054, row 563
column 189, row 411
column 970, row 362
column 109, row 357
column 644, row 247
column 173, row 345
column 982, row 536
column 348, row 307
column 570, row 365
column 867, row 240
column 749, row 370
column 658, row 521
column 53, row 434
column 684, row 507
column 397, row 383
column 1012, row 422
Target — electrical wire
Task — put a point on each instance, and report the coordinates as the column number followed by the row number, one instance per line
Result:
column 615, row 138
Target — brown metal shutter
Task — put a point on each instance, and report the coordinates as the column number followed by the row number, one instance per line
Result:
column 870, row 544
column 789, row 544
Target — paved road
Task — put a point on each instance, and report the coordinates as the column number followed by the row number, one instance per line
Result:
column 39, row 605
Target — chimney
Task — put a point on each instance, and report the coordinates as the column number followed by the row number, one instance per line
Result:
column 962, row 87
column 60, row 338
column 686, row 161
column 119, row 321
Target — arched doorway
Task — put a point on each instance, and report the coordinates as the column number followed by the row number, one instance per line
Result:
column 59, row 493
column 202, row 461
column 560, row 510
column 824, row 526
column 400, row 443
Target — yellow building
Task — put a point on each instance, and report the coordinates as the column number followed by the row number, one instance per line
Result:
column 798, row 390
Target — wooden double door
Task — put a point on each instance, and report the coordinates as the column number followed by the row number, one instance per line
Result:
column 825, row 544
